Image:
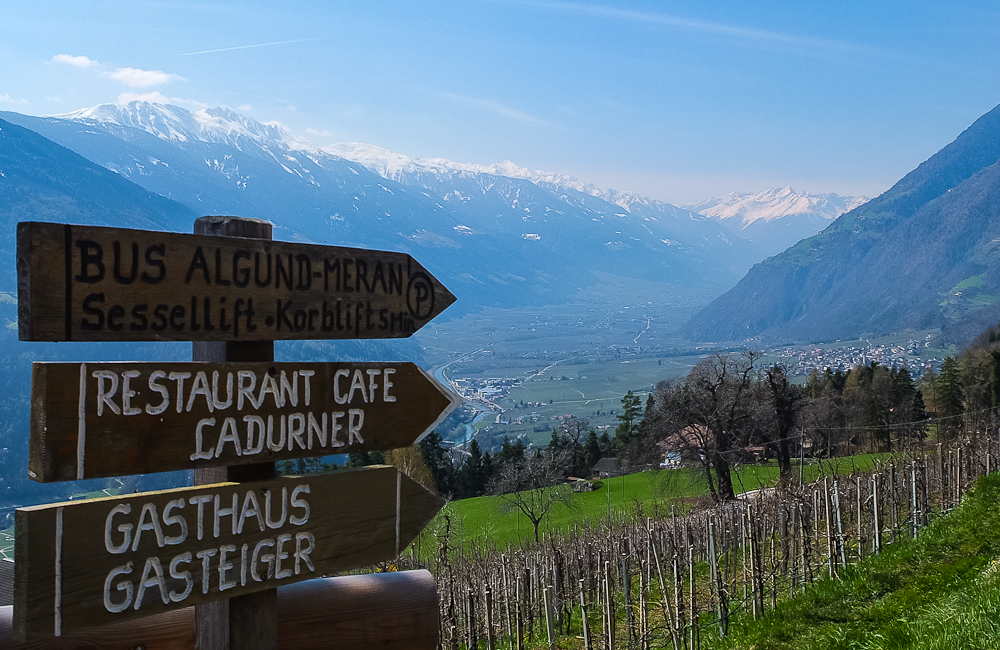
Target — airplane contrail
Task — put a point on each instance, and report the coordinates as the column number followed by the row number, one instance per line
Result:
column 246, row 47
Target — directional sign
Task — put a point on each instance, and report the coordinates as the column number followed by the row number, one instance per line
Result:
column 106, row 560
column 88, row 283
column 91, row 420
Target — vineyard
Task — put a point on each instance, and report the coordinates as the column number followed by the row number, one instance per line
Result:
column 653, row 576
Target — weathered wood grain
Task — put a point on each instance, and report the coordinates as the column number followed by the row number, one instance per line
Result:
column 91, row 420
column 90, row 283
column 79, row 563
column 385, row 610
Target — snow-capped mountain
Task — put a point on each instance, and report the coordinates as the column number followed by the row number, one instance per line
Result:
column 776, row 218
column 495, row 234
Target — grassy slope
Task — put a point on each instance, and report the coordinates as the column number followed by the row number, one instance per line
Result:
column 939, row 591
column 485, row 518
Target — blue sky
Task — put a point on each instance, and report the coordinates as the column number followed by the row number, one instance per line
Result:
column 677, row 100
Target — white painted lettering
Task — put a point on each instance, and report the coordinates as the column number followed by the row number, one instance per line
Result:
column 280, row 555
column 183, row 558
column 148, row 520
column 335, row 429
column 200, row 387
column 199, row 454
column 231, row 512
column 315, row 428
column 200, row 501
column 296, row 427
column 216, row 402
column 254, row 422
column 147, row 580
column 302, row 551
column 299, row 503
column 372, row 384
column 155, row 376
column 205, row 556
column 290, row 391
column 225, row 567
column 271, row 523
column 228, row 435
column 245, row 391
column 121, row 585
column 171, row 520
column 386, row 385
column 251, row 508
column 178, row 378
column 128, row 393
column 337, row 397
column 356, row 418
column 104, row 395
column 358, row 383
column 125, row 529
column 306, row 374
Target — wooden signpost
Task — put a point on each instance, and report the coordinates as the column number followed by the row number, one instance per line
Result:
column 89, row 283
column 92, row 420
column 226, row 544
column 103, row 560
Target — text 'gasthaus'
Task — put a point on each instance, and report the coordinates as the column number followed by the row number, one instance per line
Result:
column 213, row 518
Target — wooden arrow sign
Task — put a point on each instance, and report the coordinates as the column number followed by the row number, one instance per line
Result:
column 106, row 560
column 93, row 420
column 89, row 283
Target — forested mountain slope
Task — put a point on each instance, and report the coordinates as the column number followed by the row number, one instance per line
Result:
column 923, row 254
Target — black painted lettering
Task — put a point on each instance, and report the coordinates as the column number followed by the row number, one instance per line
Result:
column 134, row 272
column 208, row 315
column 281, row 272
column 90, row 310
column 329, row 268
column 90, row 256
column 283, row 315
column 218, row 269
column 177, row 318
column 361, row 272
column 256, row 270
column 241, row 275
column 194, row 314
column 304, row 267
column 378, row 276
column 347, row 276
column 161, row 318
column 159, row 249
column 198, row 261
column 139, row 321
column 114, row 318
column 396, row 279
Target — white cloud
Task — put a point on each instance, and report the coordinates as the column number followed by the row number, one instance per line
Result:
column 496, row 107
column 245, row 108
column 156, row 97
column 138, row 78
column 7, row 99
column 75, row 61
column 320, row 132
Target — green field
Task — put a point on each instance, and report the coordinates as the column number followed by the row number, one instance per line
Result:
column 486, row 520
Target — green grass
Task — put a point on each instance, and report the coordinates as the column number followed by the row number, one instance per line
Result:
column 486, row 520
column 939, row 591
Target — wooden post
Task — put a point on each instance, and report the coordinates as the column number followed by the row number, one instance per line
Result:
column 583, row 619
column 246, row 622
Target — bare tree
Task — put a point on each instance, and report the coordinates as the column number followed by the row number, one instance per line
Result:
column 533, row 485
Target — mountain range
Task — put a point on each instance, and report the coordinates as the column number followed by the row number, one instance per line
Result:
column 925, row 254
column 776, row 219
column 496, row 235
